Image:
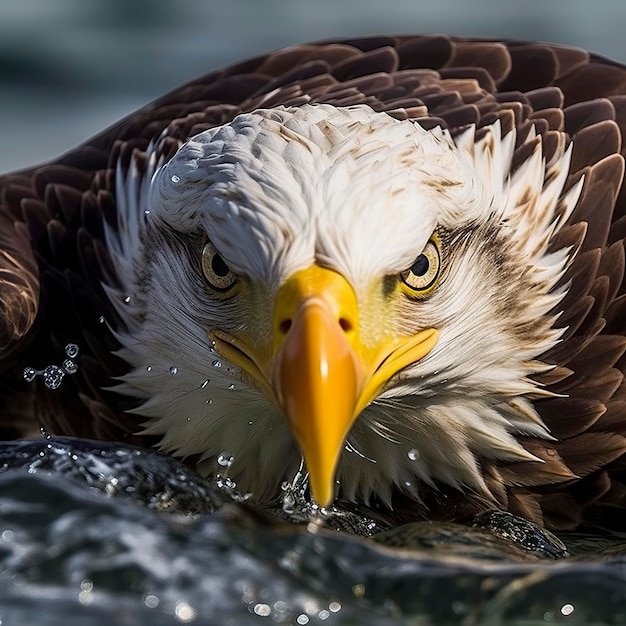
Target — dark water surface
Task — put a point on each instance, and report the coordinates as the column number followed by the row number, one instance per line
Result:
column 94, row 534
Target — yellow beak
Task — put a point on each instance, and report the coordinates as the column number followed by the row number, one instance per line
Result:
column 318, row 369
column 324, row 375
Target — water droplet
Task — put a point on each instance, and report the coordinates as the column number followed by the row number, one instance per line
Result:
column 53, row 376
column 85, row 597
column 29, row 374
column 127, row 299
column 146, row 212
column 281, row 606
column 101, row 319
column 413, row 454
column 289, row 503
column 175, row 179
column 151, row 601
column 231, row 387
column 70, row 366
column 250, row 423
column 225, row 459
column 71, row 349
column 358, row 590
column 209, row 401
column 212, row 347
column 148, row 368
column 217, row 364
column 173, row 370
column 241, row 497
column 185, row 612
column 205, row 383
column 44, row 433
column 224, row 483
column 262, row 609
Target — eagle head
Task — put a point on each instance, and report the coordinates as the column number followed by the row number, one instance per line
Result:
column 341, row 286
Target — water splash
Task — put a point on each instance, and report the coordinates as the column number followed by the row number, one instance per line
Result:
column 224, row 482
column 296, row 505
column 53, row 375
column 295, row 494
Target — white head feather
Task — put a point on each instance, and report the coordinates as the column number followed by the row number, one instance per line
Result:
column 276, row 190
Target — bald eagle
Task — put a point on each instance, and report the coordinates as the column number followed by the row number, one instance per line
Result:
column 400, row 259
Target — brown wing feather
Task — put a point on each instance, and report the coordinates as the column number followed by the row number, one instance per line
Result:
column 53, row 257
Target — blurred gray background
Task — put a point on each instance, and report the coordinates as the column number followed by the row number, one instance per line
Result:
column 69, row 68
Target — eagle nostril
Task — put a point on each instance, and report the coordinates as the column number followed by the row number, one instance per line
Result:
column 346, row 325
column 284, row 326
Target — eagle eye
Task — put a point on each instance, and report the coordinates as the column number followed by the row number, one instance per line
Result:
column 215, row 270
column 422, row 276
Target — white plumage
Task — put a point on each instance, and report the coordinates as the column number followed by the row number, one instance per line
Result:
column 361, row 193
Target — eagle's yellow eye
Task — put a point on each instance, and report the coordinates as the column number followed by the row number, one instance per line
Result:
column 422, row 276
column 215, row 270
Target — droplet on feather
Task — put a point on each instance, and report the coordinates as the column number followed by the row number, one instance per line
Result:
column 225, row 459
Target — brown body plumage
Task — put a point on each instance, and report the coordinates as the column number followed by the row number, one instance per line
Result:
column 54, row 258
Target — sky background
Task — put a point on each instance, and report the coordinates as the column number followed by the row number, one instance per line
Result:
column 69, row 68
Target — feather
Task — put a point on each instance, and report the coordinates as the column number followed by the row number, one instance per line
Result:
column 570, row 416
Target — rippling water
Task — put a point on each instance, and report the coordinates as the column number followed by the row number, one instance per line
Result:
column 95, row 534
